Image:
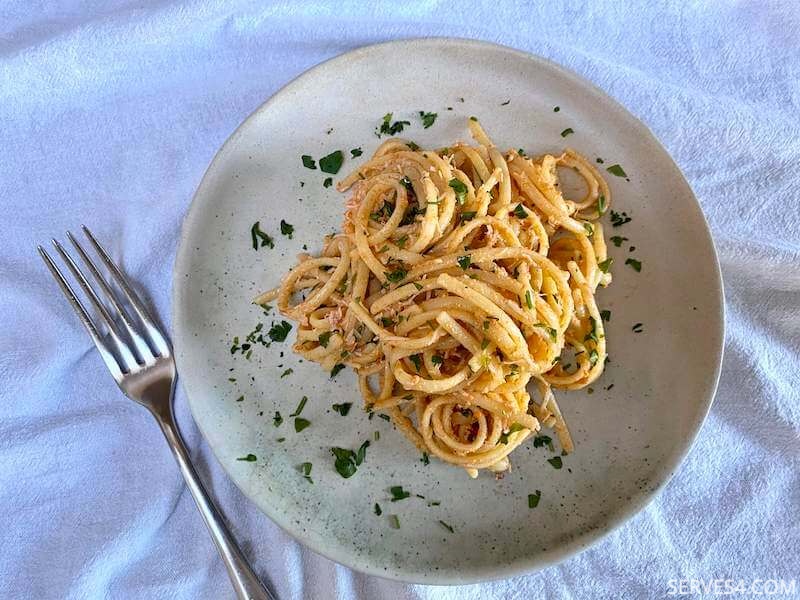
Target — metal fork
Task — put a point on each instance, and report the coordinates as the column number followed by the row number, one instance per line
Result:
column 140, row 359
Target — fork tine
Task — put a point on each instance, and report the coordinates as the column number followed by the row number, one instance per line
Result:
column 143, row 350
column 153, row 332
column 128, row 359
column 108, row 356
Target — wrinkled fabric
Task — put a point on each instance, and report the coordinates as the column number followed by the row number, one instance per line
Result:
column 110, row 112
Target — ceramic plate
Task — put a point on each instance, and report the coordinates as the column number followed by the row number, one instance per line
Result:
column 629, row 438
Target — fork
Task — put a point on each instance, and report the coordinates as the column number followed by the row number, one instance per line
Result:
column 140, row 359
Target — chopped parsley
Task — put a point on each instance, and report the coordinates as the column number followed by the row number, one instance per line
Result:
column 328, row 182
column 617, row 170
column 257, row 235
column 398, row 493
column 592, row 333
column 415, row 358
column 601, row 205
column 248, row 458
column 300, row 407
column 555, row 462
column 335, row 370
column 279, row 331
column 533, row 499
column 520, row 212
column 468, row 215
column 343, row 408
column 305, row 469
column 464, row 262
column 528, row 300
column 277, row 419
column 437, row 360
column 378, row 510
column 348, row 461
column 389, row 128
column 506, row 103
column 446, row 526
column 300, row 423
column 308, row 162
column 617, row 240
column 396, row 275
column 567, row 131
column 240, row 399
column 551, row 331
column 412, row 146
column 428, row 118
column 638, row 328
column 459, row 188
column 513, row 429
column 635, row 264
column 332, row 162
column 556, row 108
column 605, row 315
column 540, row 441
column 589, row 229
column 474, row 119
column 618, row 219
column 593, row 356
column 356, row 152
column 287, row 372
column 605, row 265
column 425, row 460
column 324, row 338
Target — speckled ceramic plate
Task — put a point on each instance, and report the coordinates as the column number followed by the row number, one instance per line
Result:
column 629, row 438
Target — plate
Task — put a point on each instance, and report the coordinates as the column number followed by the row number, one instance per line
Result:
column 629, row 438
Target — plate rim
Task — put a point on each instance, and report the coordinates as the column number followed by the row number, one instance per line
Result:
column 521, row 566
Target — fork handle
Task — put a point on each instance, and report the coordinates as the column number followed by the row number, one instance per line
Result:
column 245, row 581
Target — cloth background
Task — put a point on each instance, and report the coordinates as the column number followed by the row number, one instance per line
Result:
column 110, row 112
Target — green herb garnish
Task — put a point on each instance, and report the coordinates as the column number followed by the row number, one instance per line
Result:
column 601, row 205
column 589, row 229
column 305, row 469
column 556, row 108
column 356, row 152
column 328, row 182
column 617, row 240
column 335, row 370
column 605, row 265
column 638, row 328
column 398, row 493
column 617, row 170
column 528, row 299
column 332, row 162
column 555, row 462
column 464, row 262
column 324, row 338
column 605, row 315
column 618, row 219
column 287, row 372
column 552, row 332
column 567, row 131
column 308, row 162
column 378, row 510
column 436, row 359
column 468, row 215
column 415, row 358
column 635, row 264
column 520, row 212
column 425, row 460
column 459, row 188
column 446, row 526
column 343, row 408
column 389, row 128
column 300, row 407
column 504, row 436
column 394, row 522
column 428, row 118
column 533, row 499
column 592, row 333
column 248, row 458
column 300, row 423
column 257, row 235
column 279, row 331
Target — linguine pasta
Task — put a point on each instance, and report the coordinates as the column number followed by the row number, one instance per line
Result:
column 463, row 282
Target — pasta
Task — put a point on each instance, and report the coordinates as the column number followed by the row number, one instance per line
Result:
column 463, row 282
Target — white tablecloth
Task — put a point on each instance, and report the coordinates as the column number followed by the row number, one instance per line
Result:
column 110, row 112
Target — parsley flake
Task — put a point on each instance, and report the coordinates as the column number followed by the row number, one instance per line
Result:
column 459, row 188
column 464, row 262
column 533, row 499
column 636, row 265
column 248, row 458
column 308, row 162
column 335, row 370
column 617, row 170
column 555, row 462
column 343, row 408
column 428, row 118
column 300, row 423
column 257, row 235
column 567, row 131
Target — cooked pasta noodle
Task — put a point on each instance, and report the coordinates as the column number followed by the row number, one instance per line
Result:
column 462, row 282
